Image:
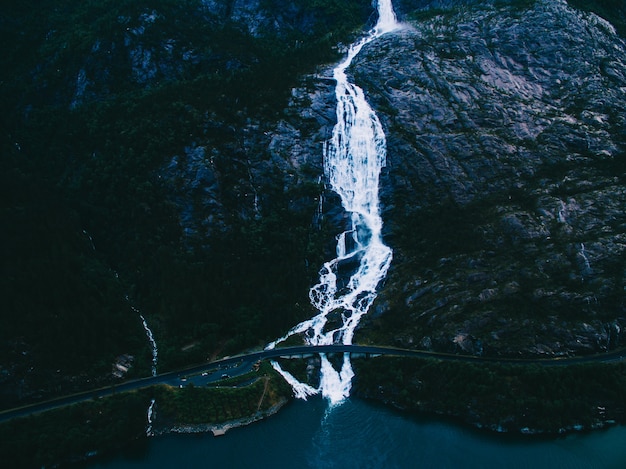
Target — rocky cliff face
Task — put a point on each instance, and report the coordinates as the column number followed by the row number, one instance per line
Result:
column 504, row 192
column 182, row 152
column 147, row 161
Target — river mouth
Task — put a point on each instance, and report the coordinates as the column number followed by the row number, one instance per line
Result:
column 359, row 434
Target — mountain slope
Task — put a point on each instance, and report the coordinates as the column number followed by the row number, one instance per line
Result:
column 505, row 187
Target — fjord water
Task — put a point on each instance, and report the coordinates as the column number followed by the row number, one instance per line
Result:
column 350, row 433
column 356, row 434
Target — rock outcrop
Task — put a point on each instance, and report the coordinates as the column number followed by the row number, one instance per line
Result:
column 504, row 191
column 161, row 151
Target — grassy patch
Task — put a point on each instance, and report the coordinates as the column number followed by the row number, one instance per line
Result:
column 230, row 399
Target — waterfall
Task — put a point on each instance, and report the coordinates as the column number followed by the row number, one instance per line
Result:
column 153, row 345
column 93, row 246
column 149, row 431
column 155, row 355
column 586, row 270
column 300, row 390
column 353, row 159
column 149, row 335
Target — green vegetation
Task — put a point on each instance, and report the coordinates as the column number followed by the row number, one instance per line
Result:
column 90, row 217
column 108, row 424
column 52, row 276
column 514, row 398
column 495, row 396
column 232, row 399
column 72, row 433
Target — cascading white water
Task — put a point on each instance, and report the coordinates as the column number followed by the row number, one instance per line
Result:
column 353, row 159
column 153, row 344
column 155, row 356
column 150, row 336
column 150, row 416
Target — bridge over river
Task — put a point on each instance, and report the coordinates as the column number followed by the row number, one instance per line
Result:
column 239, row 364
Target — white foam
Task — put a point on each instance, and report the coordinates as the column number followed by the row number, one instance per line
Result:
column 353, row 159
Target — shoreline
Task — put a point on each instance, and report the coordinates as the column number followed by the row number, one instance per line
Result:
column 220, row 429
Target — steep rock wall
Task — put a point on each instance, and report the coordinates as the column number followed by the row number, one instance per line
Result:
column 505, row 191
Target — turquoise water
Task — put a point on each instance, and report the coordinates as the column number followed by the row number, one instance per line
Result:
column 360, row 435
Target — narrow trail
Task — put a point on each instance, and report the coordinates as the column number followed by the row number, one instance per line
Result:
column 267, row 383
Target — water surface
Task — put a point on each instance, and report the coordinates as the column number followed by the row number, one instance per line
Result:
column 361, row 435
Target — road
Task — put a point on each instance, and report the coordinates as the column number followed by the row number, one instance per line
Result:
column 209, row 372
